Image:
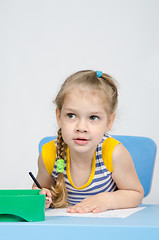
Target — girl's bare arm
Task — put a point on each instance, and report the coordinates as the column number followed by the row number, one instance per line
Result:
column 130, row 191
column 45, row 180
column 43, row 176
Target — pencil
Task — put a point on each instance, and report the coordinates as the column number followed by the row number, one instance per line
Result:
column 36, row 182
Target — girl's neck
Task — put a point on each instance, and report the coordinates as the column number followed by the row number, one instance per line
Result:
column 81, row 159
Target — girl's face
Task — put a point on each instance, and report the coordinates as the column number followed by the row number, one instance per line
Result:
column 83, row 119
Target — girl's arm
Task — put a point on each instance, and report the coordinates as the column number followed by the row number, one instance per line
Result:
column 45, row 180
column 130, row 193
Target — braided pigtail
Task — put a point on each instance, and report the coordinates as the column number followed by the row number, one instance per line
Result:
column 59, row 192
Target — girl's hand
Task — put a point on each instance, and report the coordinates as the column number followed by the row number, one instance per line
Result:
column 94, row 204
column 46, row 192
column 48, row 200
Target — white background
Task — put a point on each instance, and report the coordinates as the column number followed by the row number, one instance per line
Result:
column 42, row 42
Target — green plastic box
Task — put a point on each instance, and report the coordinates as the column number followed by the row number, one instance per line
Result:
column 22, row 205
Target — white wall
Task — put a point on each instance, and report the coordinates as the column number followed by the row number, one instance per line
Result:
column 42, row 42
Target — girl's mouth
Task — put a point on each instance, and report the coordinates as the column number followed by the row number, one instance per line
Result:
column 81, row 141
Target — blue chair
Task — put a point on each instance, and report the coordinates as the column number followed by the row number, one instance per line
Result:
column 143, row 152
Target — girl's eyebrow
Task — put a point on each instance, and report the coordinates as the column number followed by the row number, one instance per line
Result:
column 96, row 113
column 70, row 109
column 89, row 113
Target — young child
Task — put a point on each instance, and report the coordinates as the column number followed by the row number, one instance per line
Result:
column 84, row 166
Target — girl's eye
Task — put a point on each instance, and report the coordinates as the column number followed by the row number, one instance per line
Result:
column 94, row 118
column 71, row 115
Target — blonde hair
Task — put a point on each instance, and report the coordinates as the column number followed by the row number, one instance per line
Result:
column 59, row 192
column 86, row 78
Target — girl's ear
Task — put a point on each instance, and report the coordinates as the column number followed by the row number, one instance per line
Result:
column 58, row 117
column 110, row 122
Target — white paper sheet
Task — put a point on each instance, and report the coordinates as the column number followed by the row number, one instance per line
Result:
column 120, row 213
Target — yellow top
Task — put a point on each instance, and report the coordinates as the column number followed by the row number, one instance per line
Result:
column 49, row 157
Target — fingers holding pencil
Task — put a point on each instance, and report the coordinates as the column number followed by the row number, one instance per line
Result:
column 44, row 191
column 48, row 197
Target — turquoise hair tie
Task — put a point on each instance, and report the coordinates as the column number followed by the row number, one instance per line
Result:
column 98, row 74
column 60, row 165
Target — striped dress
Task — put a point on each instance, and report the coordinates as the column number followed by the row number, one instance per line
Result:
column 100, row 179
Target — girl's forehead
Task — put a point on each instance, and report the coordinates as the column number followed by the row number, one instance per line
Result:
column 81, row 91
column 85, row 94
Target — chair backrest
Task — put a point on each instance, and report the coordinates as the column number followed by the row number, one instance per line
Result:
column 143, row 152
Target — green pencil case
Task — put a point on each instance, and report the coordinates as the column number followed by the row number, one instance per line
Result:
column 22, row 205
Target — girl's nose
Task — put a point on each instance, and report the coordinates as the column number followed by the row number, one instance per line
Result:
column 81, row 126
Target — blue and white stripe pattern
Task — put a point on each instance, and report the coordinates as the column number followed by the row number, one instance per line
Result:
column 102, row 180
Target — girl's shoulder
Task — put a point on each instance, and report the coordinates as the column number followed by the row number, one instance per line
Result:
column 108, row 145
column 49, row 155
column 108, row 142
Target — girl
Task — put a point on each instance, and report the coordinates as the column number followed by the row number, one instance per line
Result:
column 84, row 166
